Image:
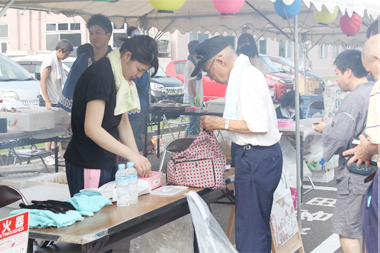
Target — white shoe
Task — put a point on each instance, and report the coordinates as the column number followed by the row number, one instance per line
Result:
column 49, row 160
column 60, row 158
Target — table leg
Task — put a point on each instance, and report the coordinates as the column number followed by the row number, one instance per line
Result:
column 158, row 136
column 146, row 136
column 301, row 165
column 56, row 156
column 30, row 246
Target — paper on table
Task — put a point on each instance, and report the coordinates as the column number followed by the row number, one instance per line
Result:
column 169, row 190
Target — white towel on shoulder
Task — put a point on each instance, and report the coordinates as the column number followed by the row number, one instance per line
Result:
column 127, row 98
column 59, row 67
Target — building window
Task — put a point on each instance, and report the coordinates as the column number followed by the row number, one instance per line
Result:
column 335, row 51
column 262, row 46
column 289, row 50
column 164, row 49
column 285, row 49
column 3, row 30
column 281, row 48
column 199, row 36
column 119, row 32
column 58, row 31
column 323, row 51
column 4, row 47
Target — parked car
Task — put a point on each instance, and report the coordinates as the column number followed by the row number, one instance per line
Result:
column 32, row 63
column 282, row 82
column 17, row 87
column 211, row 89
column 286, row 66
column 165, row 87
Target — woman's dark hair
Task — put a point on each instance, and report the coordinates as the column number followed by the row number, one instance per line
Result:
column 250, row 51
column 143, row 49
column 246, row 37
column 289, row 99
column 192, row 46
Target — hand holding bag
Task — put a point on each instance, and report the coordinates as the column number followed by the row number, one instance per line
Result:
column 202, row 164
column 363, row 169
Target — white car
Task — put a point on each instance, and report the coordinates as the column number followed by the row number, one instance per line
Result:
column 32, row 63
column 17, row 87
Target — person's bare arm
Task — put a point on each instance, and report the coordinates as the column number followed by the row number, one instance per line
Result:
column 363, row 152
column 141, row 163
column 191, row 86
column 211, row 123
column 44, row 76
column 94, row 130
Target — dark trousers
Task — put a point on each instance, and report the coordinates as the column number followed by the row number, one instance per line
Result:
column 370, row 213
column 75, row 177
column 257, row 174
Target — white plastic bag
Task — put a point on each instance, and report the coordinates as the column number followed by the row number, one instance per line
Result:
column 210, row 236
column 289, row 162
column 176, row 236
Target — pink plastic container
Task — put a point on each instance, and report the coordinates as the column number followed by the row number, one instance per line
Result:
column 285, row 122
column 155, row 180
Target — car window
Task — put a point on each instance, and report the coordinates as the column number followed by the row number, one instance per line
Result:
column 269, row 63
column 289, row 63
column 68, row 64
column 283, row 67
column 180, row 67
column 9, row 70
column 160, row 72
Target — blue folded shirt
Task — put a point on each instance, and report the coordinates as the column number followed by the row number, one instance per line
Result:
column 45, row 218
column 84, row 203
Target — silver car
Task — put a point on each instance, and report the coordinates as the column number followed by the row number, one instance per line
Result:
column 17, row 87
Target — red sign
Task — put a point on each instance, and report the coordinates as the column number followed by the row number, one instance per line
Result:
column 14, row 232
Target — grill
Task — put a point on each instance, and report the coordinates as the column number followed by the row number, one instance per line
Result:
column 30, row 102
column 175, row 90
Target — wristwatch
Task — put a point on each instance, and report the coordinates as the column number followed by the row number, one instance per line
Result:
column 226, row 124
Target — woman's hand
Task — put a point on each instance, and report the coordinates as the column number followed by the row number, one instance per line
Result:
column 142, row 165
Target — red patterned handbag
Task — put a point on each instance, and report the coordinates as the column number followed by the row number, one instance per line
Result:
column 202, row 164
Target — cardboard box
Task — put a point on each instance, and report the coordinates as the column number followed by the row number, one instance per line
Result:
column 322, row 176
column 313, row 86
column 30, row 119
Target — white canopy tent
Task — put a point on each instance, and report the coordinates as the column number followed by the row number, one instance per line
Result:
column 256, row 16
column 200, row 15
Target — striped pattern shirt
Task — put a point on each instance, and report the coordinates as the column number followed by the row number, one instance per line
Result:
column 373, row 119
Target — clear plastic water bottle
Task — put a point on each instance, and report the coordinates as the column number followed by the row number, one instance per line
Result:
column 132, row 173
column 122, row 186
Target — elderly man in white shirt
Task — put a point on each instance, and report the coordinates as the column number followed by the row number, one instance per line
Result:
column 250, row 118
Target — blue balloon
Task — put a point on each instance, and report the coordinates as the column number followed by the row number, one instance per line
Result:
column 291, row 10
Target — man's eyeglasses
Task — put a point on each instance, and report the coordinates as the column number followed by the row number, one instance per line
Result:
column 208, row 71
